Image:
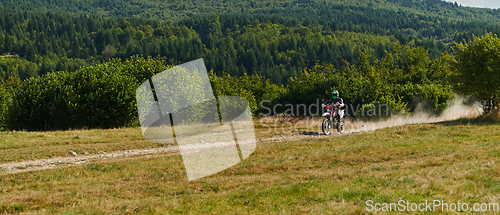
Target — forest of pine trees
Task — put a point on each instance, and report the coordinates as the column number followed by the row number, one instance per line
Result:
column 267, row 44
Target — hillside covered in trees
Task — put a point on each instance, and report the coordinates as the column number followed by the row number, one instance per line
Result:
column 174, row 10
column 277, row 44
column 374, row 51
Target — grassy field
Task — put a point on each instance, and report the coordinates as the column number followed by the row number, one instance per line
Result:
column 290, row 174
column 21, row 146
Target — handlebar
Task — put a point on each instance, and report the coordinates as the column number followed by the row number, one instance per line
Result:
column 337, row 104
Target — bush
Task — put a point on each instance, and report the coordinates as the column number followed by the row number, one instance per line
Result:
column 252, row 88
column 101, row 96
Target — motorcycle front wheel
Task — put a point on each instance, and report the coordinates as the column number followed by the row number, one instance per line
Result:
column 326, row 126
column 341, row 126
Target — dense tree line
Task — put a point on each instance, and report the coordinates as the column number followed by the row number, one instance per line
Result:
column 403, row 79
column 174, row 10
column 271, row 45
column 71, row 42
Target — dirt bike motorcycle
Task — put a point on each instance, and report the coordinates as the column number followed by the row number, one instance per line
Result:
column 332, row 116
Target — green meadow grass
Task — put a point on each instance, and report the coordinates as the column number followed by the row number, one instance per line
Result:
column 334, row 175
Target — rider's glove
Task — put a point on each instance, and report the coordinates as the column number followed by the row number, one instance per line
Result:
column 323, row 105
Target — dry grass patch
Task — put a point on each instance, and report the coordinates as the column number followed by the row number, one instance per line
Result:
column 21, row 146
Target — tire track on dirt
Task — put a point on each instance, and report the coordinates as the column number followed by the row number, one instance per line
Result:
column 56, row 162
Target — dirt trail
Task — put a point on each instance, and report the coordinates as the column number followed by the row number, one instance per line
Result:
column 51, row 163
column 57, row 162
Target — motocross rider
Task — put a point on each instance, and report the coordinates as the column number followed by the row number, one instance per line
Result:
column 335, row 100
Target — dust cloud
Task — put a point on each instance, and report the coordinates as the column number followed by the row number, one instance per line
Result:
column 457, row 110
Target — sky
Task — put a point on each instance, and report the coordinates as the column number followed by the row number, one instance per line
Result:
column 478, row 3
